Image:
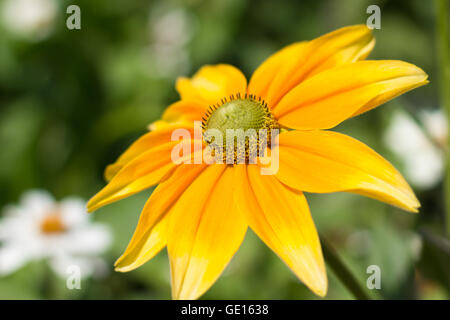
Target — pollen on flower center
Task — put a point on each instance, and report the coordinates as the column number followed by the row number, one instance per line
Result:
column 52, row 224
column 244, row 125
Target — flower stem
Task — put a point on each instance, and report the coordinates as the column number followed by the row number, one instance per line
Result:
column 442, row 38
column 342, row 272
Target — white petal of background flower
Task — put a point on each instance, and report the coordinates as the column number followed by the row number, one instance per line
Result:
column 33, row 19
column 423, row 161
column 70, row 211
column 12, row 258
column 37, row 203
column 90, row 239
column 435, row 123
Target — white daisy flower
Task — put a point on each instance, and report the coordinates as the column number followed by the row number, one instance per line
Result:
column 32, row 19
column 40, row 228
column 419, row 146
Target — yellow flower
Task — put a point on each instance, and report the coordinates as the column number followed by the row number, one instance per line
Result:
column 201, row 212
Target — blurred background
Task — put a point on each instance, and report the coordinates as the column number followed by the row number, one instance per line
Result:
column 72, row 100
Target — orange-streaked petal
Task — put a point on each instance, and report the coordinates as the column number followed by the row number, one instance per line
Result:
column 211, row 84
column 327, row 99
column 264, row 75
column 141, row 173
column 162, row 124
column 343, row 46
column 151, row 232
column 205, row 230
column 146, row 142
column 326, row 161
column 280, row 216
column 184, row 110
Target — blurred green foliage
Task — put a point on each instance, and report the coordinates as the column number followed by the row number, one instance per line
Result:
column 71, row 102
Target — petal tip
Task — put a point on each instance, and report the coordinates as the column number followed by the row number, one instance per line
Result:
column 413, row 204
column 119, row 266
column 117, row 269
column 90, row 207
column 111, row 170
column 416, row 71
column 415, row 207
column 93, row 204
column 320, row 288
column 123, row 269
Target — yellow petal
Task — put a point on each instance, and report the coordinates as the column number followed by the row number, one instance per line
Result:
column 326, row 161
column 280, row 216
column 343, row 46
column 151, row 232
column 264, row 75
column 185, row 110
column 144, row 143
column 205, row 230
column 330, row 97
column 155, row 241
column 162, row 124
column 211, row 84
column 141, row 173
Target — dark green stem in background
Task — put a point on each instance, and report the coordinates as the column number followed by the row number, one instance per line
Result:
column 342, row 272
column 442, row 34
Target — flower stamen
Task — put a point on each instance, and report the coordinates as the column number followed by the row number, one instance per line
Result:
column 52, row 224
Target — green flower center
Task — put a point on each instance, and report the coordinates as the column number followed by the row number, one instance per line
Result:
column 241, row 123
